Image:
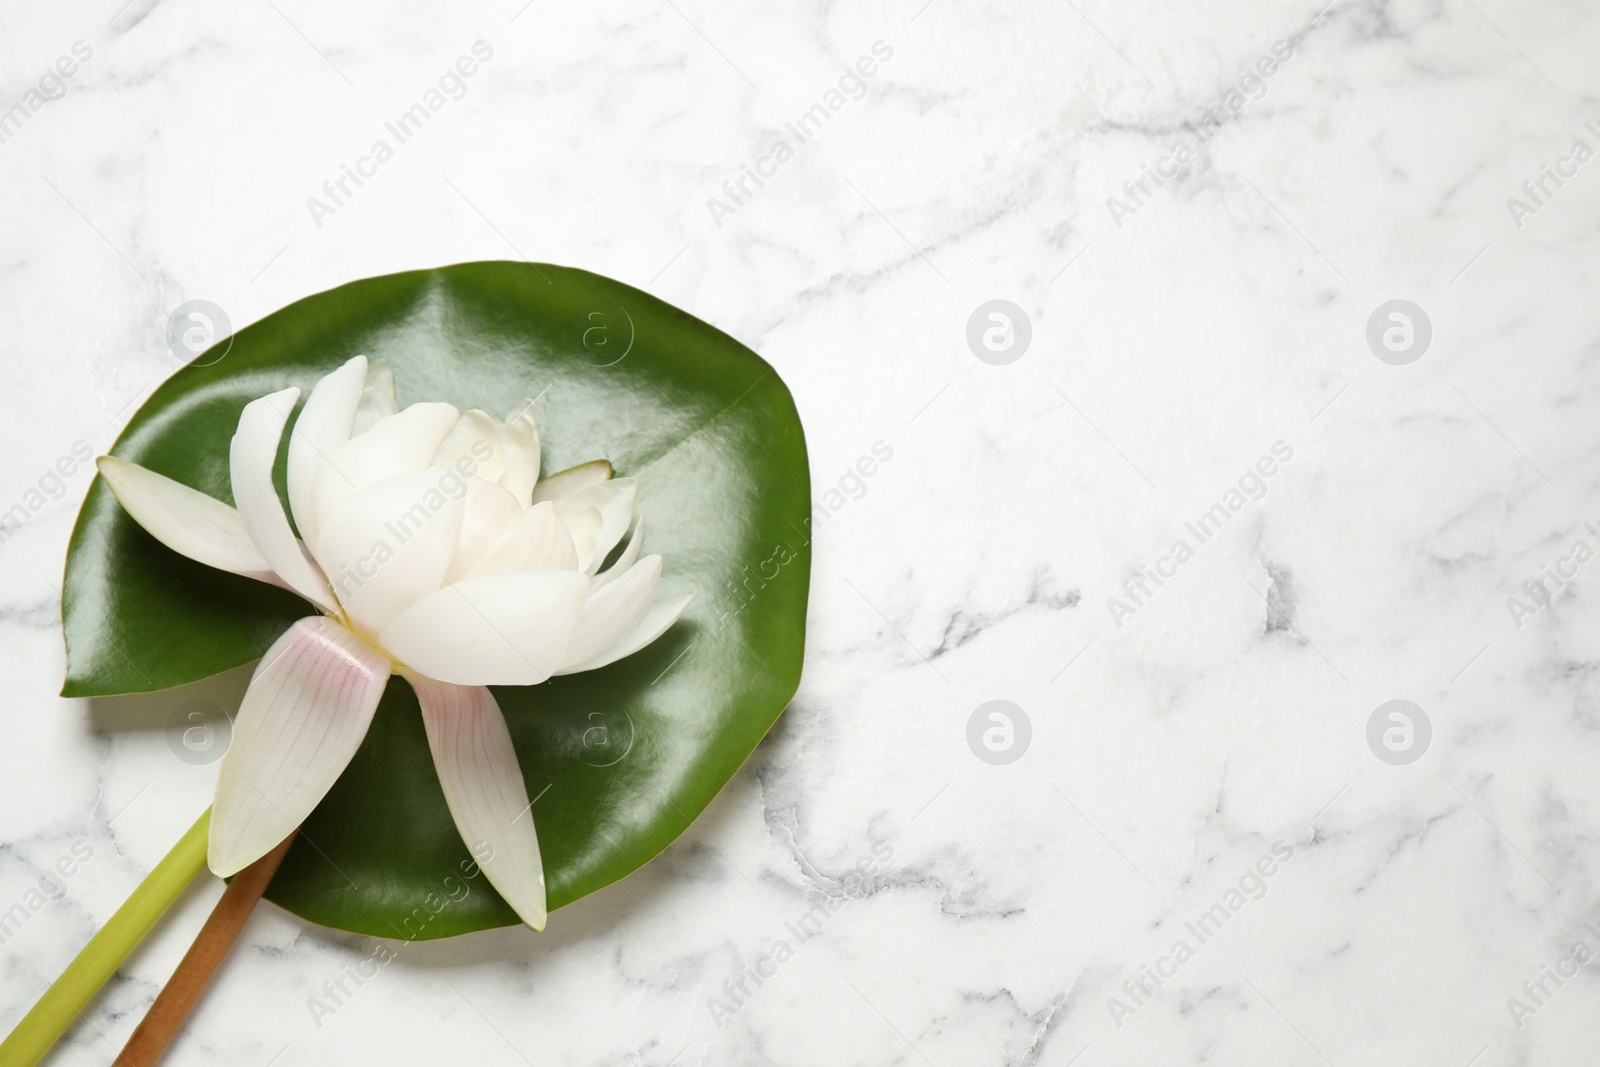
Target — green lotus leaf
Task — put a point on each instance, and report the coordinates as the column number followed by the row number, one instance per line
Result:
column 621, row 759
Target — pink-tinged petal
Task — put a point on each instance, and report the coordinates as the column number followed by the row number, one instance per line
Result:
column 484, row 789
column 572, row 479
column 254, row 449
column 473, row 447
column 521, row 440
column 401, row 443
column 323, row 425
column 309, row 704
column 498, row 629
column 377, row 397
column 186, row 520
column 613, row 612
column 660, row 617
column 614, row 500
column 390, row 544
column 491, row 512
column 624, row 561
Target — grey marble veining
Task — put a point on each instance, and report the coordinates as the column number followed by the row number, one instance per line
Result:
column 1199, row 858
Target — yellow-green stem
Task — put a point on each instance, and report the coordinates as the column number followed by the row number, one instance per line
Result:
column 68, row 998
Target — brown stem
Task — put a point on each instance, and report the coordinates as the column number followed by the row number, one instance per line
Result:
column 177, row 999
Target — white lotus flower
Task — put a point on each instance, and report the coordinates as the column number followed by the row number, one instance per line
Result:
column 434, row 551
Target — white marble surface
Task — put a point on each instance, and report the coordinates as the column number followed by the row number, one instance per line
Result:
column 1004, row 906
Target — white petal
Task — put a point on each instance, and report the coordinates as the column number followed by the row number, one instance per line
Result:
column 538, row 540
column 484, row 789
column 389, row 545
column 377, row 397
column 186, row 520
column 572, row 479
column 308, row 707
column 397, row 444
column 662, row 614
column 254, row 448
column 473, row 447
column 491, row 513
column 323, row 425
column 498, row 629
column 615, row 501
column 624, row 561
column 521, row 440
column 612, row 613
column 584, row 529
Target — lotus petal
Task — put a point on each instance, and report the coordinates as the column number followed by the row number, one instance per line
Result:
column 521, row 440
column 188, row 521
column 497, row 629
column 614, row 500
column 538, row 540
column 612, row 613
column 308, row 707
column 377, row 399
column 473, row 447
column 660, row 617
column 624, row 561
column 402, row 443
column 324, row 424
column 583, row 526
column 572, row 479
column 491, row 513
column 484, row 789
column 389, row 545
column 254, row 449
